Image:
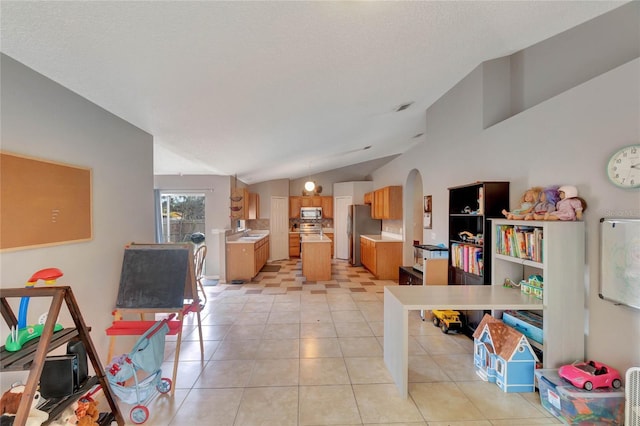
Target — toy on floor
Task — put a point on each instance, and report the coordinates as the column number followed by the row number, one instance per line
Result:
column 10, row 402
column 22, row 333
column 591, row 375
column 446, row 320
column 87, row 412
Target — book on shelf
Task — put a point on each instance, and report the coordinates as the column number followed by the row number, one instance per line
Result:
column 468, row 258
column 524, row 242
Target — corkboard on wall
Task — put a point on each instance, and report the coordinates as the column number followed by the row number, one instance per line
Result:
column 43, row 202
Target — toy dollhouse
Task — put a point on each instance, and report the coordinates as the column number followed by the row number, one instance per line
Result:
column 503, row 356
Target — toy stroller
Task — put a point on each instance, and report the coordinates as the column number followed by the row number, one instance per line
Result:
column 126, row 373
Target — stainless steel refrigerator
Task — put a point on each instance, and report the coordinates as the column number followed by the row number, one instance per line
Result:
column 359, row 222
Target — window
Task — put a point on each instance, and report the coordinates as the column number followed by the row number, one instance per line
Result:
column 182, row 216
column 500, row 367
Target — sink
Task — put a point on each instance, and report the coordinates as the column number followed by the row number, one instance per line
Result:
column 251, row 237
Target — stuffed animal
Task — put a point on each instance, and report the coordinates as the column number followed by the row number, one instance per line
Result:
column 570, row 206
column 527, row 202
column 10, row 402
column 87, row 412
column 549, row 197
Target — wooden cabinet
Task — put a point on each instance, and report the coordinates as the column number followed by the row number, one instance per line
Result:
column 381, row 258
column 246, row 259
column 330, row 236
column 294, row 244
column 295, row 202
column 368, row 198
column 244, row 204
column 409, row 276
column 31, row 356
column 560, row 248
column 327, row 207
column 294, row 206
column 387, row 203
column 254, row 206
column 470, row 208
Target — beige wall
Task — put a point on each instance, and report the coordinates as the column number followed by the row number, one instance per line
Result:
column 566, row 138
column 42, row 119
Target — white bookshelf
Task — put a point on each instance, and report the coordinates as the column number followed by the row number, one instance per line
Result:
column 563, row 272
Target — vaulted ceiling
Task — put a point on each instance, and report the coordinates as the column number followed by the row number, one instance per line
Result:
column 270, row 90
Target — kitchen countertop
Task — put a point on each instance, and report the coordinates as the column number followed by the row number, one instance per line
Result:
column 324, row 231
column 381, row 238
column 252, row 238
column 315, row 238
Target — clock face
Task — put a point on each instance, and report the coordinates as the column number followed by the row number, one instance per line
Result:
column 624, row 167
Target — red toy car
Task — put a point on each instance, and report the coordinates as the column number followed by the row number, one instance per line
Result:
column 590, row 375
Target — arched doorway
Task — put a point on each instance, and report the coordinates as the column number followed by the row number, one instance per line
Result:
column 413, row 209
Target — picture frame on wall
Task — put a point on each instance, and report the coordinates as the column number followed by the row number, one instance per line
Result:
column 427, row 220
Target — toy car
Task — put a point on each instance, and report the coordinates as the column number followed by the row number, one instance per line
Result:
column 590, row 375
column 446, row 320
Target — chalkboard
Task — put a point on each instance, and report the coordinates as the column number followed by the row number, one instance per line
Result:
column 620, row 261
column 156, row 276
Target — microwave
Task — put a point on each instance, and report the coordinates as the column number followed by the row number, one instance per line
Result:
column 311, row 213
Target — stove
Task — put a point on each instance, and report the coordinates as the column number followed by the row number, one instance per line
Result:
column 310, row 228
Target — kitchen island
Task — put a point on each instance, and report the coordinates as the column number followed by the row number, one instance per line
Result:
column 316, row 257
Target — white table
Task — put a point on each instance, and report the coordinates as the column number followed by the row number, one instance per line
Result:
column 399, row 300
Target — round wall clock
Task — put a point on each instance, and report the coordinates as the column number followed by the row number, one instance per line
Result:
column 623, row 168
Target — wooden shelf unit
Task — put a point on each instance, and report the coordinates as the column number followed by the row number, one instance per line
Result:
column 32, row 355
column 470, row 208
column 562, row 270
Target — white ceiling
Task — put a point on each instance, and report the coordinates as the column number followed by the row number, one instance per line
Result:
column 271, row 90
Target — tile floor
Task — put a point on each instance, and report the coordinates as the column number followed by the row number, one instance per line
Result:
column 283, row 351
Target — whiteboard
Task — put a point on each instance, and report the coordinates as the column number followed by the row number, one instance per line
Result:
column 620, row 261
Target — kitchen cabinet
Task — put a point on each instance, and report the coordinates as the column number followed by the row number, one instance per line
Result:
column 327, row 207
column 555, row 252
column 294, row 206
column 470, row 208
column 254, row 206
column 330, row 236
column 31, row 356
column 387, row 203
column 316, row 257
column 244, row 204
column 246, row 259
column 294, row 244
column 295, row 202
column 382, row 258
column 368, row 198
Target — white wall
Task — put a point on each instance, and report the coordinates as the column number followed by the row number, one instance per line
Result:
column 216, row 192
column 566, row 139
column 42, row 119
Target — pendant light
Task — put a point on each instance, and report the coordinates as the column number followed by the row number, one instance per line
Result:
column 309, row 185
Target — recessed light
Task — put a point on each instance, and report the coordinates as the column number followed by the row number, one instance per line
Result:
column 404, row 106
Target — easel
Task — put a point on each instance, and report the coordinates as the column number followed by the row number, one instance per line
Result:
column 156, row 279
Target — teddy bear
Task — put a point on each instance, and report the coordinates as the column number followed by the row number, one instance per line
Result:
column 527, row 202
column 570, row 206
column 87, row 412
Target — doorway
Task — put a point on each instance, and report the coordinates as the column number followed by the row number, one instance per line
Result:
column 279, row 228
column 413, row 208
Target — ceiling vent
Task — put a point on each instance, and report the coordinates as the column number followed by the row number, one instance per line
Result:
column 404, row 106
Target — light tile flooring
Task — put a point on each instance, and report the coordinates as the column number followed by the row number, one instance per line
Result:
column 283, row 351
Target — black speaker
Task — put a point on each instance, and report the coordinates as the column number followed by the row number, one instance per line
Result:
column 59, row 376
column 77, row 348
